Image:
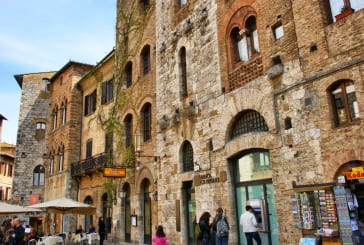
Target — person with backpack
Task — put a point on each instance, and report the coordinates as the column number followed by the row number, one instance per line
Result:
column 205, row 226
column 220, row 227
column 249, row 225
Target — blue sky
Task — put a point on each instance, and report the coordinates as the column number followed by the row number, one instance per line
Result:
column 43, row 35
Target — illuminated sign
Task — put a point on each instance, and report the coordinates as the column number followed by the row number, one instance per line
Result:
column 115, row 172
column 356, row 173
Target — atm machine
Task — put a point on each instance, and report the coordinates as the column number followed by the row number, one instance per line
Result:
column 260, row 212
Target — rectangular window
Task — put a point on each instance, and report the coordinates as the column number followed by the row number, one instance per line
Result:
column 109, row 144
column 89, row 148
column 278, row 31
column 10, row 170
column 90, row 103
column 107, row 91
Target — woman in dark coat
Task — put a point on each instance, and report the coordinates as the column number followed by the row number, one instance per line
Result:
column 205, row 227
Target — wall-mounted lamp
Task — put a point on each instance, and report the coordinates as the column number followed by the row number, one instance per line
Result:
column 122, row 193
column 155, row 196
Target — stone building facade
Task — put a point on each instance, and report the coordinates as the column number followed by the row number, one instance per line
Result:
column 7, row 156
column 63, row 143
column 95, row 143
column 31, row 146
column 248, row 90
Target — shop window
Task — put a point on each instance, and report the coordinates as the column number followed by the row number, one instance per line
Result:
column 128, row 128
column 38, row 176
column 339, row 7
column 344, row 103
column 187, row 157
column 244, row 42
column 107, row 91
column 182, row 72
column 51, row 164
column 145, row 60
column 90, row 103
column 129, row 74
column 146, row 117
column 248, row 121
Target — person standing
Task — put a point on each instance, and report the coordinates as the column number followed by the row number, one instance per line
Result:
column 102, row 231
column 205, row 226
column 249, row 225
column 160, row 237
column 220, row 222
column 19, row 232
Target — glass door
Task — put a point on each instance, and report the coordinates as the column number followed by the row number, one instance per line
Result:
column 263, row 192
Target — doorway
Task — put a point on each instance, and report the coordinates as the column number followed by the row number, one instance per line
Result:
column 147, row 212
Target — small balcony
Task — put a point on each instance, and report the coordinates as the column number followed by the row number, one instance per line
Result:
column 89, row 165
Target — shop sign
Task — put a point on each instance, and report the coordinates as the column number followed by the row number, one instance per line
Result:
column 207, row 178
column 33, row 199
column 356, row 173
column 115, row 172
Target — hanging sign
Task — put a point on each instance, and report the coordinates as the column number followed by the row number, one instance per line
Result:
column 356, row 173
column 115, row 172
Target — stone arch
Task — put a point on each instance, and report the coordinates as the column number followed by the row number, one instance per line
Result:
column 144, row 173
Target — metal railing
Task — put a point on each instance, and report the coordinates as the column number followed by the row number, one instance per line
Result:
column 92, row 164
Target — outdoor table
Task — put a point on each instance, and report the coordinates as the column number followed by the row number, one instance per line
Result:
column 92, row 236
column 50, row 240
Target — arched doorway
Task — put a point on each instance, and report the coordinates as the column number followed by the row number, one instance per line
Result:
column 88, row 218
column 127, row 213
column 147, row 212
column 253, row 186
column 106, row 212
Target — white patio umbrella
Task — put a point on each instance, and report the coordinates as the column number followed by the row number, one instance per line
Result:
column 6, row 208
column 65, row 206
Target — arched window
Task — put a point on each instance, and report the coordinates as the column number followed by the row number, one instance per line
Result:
column 244, row 42
column 250, row 166
column 187, row 157
column 248, row 121
column 60, row 159
column 144, row 4
column 51, row 164
column 128, row 127
column 146, row 117
column 88, row 218
column 182, row 72
column 38, row 176
column 55, row 118
column 145, row 60
column 129, row 74
column 64, row 113
column 344, row 103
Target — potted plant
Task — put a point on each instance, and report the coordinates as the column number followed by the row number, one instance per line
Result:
column 345, row 11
